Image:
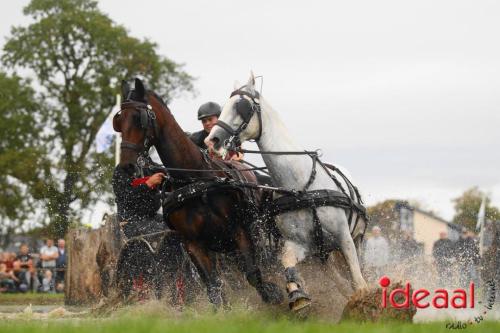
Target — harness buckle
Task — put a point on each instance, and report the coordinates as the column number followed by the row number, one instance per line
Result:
column 141, row 161
column 151, row 114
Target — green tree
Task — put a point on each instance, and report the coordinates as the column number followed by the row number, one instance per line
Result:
column 77, row 57
column 467, row 208
column 18, row 141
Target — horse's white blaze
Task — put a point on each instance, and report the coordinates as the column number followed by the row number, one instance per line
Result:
column 293, row 172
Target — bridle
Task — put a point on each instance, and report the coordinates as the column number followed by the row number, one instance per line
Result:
column 150, row 127
column 245, row 108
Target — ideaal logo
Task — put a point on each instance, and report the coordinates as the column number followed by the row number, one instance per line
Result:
column 423, row 298
column 439, row 299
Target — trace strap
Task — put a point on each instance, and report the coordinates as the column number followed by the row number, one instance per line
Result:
column 351, row 201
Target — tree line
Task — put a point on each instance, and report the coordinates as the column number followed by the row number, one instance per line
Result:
column 58, row 81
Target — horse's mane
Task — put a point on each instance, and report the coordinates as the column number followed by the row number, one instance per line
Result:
column 159, row 98
column 133, row 97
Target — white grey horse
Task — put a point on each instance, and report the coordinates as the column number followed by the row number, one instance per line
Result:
column 290, row 172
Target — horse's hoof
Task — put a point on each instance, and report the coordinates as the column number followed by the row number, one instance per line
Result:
column 298, row 301
column 271, row 293
column 301, row 307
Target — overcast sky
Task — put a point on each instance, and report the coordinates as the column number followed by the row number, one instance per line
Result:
column 403, row 94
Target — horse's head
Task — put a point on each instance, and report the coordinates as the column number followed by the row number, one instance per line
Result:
column 239, row 121
column 137, row 121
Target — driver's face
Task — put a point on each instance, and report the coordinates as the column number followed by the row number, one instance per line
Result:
column 208, row 123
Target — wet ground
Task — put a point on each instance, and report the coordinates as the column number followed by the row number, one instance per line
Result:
column 4, row 309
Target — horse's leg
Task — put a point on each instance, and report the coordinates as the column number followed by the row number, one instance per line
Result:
column 268, row 291
column 297, row 298
column 348, row 249
column 358, row 242
column 208, row 272
column 358, row 235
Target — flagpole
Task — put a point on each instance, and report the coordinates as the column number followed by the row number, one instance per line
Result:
column 481, row 216
column 118, row 138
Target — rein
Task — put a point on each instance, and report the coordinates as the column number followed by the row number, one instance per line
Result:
column 316, row 152
column 202, row 170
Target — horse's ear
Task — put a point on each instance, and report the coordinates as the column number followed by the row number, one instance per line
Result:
column 117, row 124
column 140, row 90
column 251, row 83
column 125, row 89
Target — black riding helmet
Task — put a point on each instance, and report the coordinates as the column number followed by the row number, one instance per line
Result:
column 209, row 109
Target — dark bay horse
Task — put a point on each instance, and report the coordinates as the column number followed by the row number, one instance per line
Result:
column 216, row 221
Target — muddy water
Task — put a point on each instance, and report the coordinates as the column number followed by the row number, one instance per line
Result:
column 328, row 286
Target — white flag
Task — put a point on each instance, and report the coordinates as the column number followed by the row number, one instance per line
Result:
column 480, row 225
column 104, row 137
column 481, row 215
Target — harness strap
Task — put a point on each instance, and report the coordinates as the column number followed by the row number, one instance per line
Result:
column 312, row 200
column 245, row 93
column 131, row 146
column 353, row 190
column 316, row 198
column 194, row 190
column 267, row 152
column 255, row 109
column 225, row 127
column 318, row 236
column 319, row 240
column 312, row 176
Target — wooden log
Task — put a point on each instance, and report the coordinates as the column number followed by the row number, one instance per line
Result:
column 91, row 266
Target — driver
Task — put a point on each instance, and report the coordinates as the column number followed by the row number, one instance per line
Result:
column 209, row 113
column 138, row 201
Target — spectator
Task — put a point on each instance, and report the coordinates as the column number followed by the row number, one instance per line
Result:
column 47, row 282
column 49, row 254
column 7, row 279
column 408, row 247
column 8, row 260
column 23, row 268
column 467, row 255
column 442, row 252
column 376, row 254
column 60, row 265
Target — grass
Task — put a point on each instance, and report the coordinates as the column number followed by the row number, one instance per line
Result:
column 232, row 322
column 33, row 298
column 155, row 317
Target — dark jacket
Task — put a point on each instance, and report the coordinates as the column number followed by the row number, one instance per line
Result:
column 467, row 251
column 408, row 248
column 198, row 138
column 61, row 260
column 137, row 204
column 443, row 251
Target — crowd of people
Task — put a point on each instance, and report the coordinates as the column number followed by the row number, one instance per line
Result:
column 449, row 257
column 28, row 271
column 464, row 252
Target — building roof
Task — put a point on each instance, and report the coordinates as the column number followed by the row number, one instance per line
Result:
column 405, row 204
